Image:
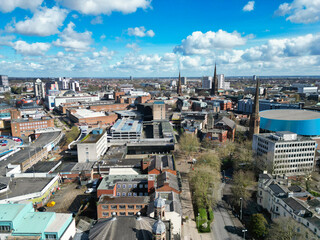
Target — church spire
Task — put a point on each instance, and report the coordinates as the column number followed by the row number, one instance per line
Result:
column 179, row 87
column 214, row 85
column 255, row 118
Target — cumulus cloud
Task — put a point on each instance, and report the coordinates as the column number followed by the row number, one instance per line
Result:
column 205, row 43
column 74, row 41
column 104, row 53
column 97, row 20
column 96, row 7
column 45, row 22
column 10, row 5
column 140, row 32
column 300, row 11
column 133, row 46
column 33, row 49
column 249, row 6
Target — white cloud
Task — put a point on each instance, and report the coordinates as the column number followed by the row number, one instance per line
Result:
column 104, row 53
column 140, row 32
column 10, row 5
column 6, row 40
column 97, row 20
column 133, row 46
column 102, row 37
column 300, row 11
column 96, row 7
column 205, row 43
column 45, row 22
column 74, row 41
column 249, row 6
column 33, row 49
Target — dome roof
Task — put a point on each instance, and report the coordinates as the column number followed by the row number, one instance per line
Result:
column 159, row 202
column 158, row 227
column 69, row 92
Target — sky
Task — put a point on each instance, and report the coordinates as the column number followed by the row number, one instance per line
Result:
column 159, row 38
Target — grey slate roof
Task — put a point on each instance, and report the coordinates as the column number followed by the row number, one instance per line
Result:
column 167, row 177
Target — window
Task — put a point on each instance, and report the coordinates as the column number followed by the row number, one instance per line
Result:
column 138, row 206
column 105, row 206
column 134, row 194
column 122, row 213
column 122, row 206
column 50, row 236
column 140, row 194
column 4, row 228
column 130, row 194
column 140, row 185
column 130, row 186
column 123, row 194
column 130, row 206
column 105, row 214
column 130, row 213
column 118, row 194
column 119, row 186
column 123, row 186
column 113, row 206
column 134, row 185
column 146, row 185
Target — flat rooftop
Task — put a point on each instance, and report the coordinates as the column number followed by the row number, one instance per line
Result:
column 290, row 114
column 23, row 186
column 34, row 222
column 92, row 138
column 109, row 181
column 124, row 200
column 58, row 222
column 43, row 167
column 127, row 125
column 86, row 113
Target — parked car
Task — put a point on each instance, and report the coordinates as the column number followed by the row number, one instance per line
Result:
column 3, row 145
column 42, row 209
column 90, row 190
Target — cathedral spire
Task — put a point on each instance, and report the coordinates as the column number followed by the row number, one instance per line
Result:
column 214, row 85
column 255, row 118
column 179, row 87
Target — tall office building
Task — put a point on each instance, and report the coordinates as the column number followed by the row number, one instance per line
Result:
column 4, row 81
column 220, row 81
column 184, row 80
column 206, row 82
column 39, row 89
column 284, row 153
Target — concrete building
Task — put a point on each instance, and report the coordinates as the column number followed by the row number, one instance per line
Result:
column 39, row 89
column 93, row 146
column 184, row 80
column 21, row 222
column 245, row 105
column 284, row 153
column 206, row 82
column 125, row 129
column 252, row 90
column 280, row 199
column 159, row 110
column 4, row 81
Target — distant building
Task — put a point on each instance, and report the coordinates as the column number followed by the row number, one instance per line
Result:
column 285, row 153
column 20, row 221
column 89, row 117
column 159, row 110
column 4, row 81
column 206, row 82
column 51, row 86
column 93, row 146
column 184, row 80
column 39, row 89
column 252, row 90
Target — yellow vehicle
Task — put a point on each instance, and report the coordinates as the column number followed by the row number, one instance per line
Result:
column 51, row 204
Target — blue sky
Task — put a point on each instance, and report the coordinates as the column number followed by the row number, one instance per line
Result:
column 107, row 38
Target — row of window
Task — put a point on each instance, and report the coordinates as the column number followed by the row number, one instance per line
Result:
column 129, row 194
column 295, row 150
column 291, row 171
column 106, row 214
column 294, row 155
column 122, row 206
column 124, row 186
column 295, row 145
column 5, row 229
column 306, row 160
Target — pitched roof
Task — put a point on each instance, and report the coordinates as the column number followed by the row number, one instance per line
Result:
column 167, row 177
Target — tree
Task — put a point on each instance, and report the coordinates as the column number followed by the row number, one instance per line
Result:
column 286, row 229
column 72, row 134
column 239, row 189
column 189, row 143
column 258, row 226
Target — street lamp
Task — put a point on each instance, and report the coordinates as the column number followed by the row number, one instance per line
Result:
column 244, row 233
column 241, row 199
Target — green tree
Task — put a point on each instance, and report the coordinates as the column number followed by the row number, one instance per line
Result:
column 72, row 134
column 240, row 187
column 258, row 226
column 286, row 229
column 189, row 143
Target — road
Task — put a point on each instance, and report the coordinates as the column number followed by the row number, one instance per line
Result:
column 225, row 225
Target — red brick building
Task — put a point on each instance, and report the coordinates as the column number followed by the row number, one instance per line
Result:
column 21, row 127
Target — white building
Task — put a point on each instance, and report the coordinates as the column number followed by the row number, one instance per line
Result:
column 307, row 89
column 55, row 101
column 285, row 153
column 39, row 89
column 126, row 129
column 207, row 82
column 280, row 199
column 184, row 80
column 92, row 147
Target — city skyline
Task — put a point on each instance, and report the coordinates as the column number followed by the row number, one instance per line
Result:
column 157, row 38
